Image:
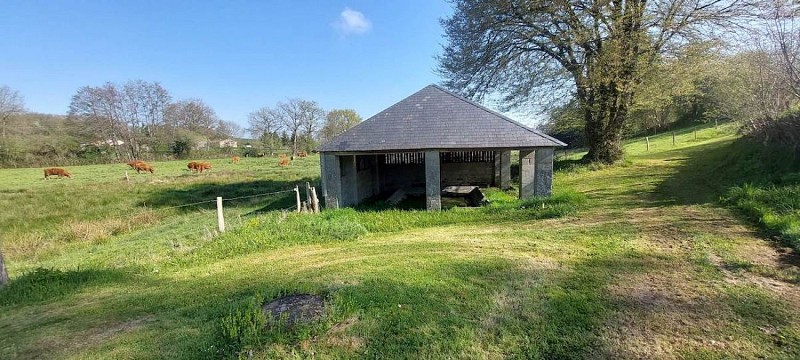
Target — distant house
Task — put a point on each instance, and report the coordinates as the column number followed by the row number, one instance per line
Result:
column 430, row 140
column 228, row 143
column 109, row 142
column 200, row 145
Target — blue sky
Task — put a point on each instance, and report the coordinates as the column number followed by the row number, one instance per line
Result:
column 237, row 56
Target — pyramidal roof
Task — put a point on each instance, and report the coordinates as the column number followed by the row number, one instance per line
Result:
column 435, row 118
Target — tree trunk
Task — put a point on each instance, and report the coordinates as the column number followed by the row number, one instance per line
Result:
column 605, row 113
column 3, row 272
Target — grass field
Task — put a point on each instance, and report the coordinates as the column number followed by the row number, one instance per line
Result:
column 638, row 260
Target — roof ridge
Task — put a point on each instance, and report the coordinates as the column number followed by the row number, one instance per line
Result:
column 504, row 117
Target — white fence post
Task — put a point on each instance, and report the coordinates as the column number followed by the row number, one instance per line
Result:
column 297, row 195
column 220, row 218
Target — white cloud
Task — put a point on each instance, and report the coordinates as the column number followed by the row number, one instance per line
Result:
column 352, row 22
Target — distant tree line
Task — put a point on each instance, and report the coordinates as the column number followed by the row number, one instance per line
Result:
column 140, row 119
column 298, row 124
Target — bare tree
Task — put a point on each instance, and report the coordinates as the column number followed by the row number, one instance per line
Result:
column 294, row 118
column 313, row 116
column 265, row 123
column 528, row 50
column 11, row 103
column 121, row 115
column 782, row 39
column 100, row 109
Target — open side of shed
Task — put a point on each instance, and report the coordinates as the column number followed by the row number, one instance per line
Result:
column 430, row 140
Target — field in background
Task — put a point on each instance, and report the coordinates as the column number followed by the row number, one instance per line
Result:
column 628, row 261
column 44, row 217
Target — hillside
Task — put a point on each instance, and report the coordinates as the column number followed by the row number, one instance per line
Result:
column 642, row 259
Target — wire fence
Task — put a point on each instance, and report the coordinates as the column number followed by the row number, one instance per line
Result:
column 199, row 223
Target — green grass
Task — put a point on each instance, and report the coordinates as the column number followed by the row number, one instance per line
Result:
column 637, row 260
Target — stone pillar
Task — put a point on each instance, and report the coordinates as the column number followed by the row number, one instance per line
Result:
column 433, row 181
column 349, row 195
column 543, row 175
column 505, row 169
column 332, row 177
column 526, row 174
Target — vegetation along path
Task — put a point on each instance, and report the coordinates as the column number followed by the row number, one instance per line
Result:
column 649, row 266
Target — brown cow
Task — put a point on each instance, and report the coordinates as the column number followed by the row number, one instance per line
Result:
column 133, row 163
column 281, row 156
column 284, row 161
column 198, row 166
column 235, row 160
column 56, row 171
column 143, row 166
column 302, row 154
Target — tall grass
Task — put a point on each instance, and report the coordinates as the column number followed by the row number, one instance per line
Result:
column 278, row 229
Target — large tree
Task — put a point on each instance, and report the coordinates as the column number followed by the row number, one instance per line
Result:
column 300, row 116
column 337, row 122
column 265, row 123
column 598, row 50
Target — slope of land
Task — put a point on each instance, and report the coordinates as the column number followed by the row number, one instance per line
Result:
column 650, row 266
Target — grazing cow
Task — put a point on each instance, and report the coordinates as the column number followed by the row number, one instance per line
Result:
column 302, row 154
column 133, row 163
column 284, row 161
column 143, row 166
column 281, row 156
column 56, row 171
column 198, row 166
column 235, row 160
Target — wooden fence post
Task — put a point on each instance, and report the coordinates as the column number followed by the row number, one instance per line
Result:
column 648, row 142
column 220, row 217
column 673, row 138
column 297, row 196
column 314, row 200
column 3, row 272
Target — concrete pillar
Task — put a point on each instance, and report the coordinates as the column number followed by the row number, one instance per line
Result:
column 332, row 178
column 526, row 174
column 322, row 183
column 505, row 169
column 497, row 165
column 349, row 196
column 433, row 181
column 543, row 175
column 502, row 169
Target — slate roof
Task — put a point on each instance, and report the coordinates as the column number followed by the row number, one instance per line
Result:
column 435, row 118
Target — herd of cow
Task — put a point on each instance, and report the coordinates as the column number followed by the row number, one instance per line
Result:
column 194, row 166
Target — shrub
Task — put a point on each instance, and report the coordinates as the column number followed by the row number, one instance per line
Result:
column 243, row 328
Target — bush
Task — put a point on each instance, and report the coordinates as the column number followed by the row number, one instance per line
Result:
column 181, row 148
column 243, row 328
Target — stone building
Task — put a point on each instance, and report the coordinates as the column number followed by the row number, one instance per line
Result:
column 430, row 140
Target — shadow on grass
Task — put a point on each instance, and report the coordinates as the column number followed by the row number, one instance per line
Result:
column 243, row 194
column 46, row 284
column 708, row 172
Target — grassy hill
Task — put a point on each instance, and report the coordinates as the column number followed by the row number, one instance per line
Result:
column 636, row 260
